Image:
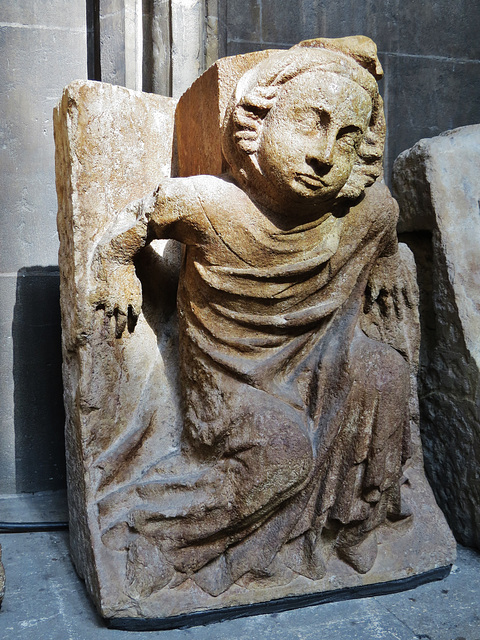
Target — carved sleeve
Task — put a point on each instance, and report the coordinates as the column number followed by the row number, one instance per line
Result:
column 175, row 211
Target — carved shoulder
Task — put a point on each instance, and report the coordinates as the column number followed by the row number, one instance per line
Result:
column 381, row 201
column 179, row 209
column 379, row 210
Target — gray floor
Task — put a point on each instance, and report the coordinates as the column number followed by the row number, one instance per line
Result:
column 45, row 600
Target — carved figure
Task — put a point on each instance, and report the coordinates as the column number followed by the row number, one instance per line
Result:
column 252, row 437
column 296, row 424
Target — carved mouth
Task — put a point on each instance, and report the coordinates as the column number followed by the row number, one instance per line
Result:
column 312, row 181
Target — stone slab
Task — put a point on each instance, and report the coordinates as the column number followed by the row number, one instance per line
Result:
column 436, row 183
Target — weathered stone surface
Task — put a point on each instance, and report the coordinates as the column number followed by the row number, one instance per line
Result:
column 277, row 452
column 112, row 145
column 437, row 186
column 201, row 112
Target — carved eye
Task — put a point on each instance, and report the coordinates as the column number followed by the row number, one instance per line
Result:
column 350, row 135
column 306, row 121
column 311, row 120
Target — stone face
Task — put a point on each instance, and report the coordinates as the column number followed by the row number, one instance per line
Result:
column 437, row 187
column 428, row 49
column 257, row 439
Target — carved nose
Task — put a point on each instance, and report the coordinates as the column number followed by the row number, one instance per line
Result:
column 321, row 158
column 321, row 154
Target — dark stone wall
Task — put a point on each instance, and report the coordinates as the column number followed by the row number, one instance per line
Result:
column 430, row 52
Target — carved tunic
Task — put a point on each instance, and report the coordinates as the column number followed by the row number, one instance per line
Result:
column 293, row 419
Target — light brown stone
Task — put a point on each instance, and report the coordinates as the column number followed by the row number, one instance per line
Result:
column 437, row 186
column 276, row 453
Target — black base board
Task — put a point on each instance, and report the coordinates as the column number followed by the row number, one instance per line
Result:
column 274, row 606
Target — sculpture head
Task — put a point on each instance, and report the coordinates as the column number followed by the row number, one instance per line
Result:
column 306, row 126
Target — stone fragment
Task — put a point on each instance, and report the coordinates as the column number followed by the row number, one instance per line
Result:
column 437, row 186
column 256, row 439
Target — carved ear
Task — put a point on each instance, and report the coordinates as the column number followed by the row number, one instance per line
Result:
column 372, row 146
column 360, row 48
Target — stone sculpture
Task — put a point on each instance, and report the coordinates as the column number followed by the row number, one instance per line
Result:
column 438, row 192
column 269, row 458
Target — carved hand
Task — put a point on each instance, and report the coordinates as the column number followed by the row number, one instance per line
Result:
column 115, row 287
column 392, row 295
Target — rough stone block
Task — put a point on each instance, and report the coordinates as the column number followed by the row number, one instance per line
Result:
column 113, row 145
column 436, row 183
column 198, row 120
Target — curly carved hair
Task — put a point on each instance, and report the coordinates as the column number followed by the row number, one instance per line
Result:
column 259, row 88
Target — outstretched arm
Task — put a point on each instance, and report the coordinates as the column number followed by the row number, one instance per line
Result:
column 169, row 212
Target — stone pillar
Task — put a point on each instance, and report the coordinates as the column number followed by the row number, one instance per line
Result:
column 158, row 46
column 188, row 58
column 157, row 34
column 43, row 47
column 121, row 42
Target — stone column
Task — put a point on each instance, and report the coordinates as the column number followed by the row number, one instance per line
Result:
column 121, row 42
column 157, row 34
column 188, row 58
column 159, row 46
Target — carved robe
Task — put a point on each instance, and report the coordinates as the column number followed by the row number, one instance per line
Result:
column 295, row 422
